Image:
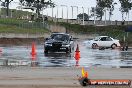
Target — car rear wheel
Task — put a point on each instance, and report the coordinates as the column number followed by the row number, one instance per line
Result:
column 94, row 46
column 113, row 46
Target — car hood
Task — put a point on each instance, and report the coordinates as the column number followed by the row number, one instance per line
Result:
column 56, row 41
column 115, row 39
column 90, row 40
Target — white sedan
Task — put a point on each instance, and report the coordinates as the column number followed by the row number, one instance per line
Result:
column 103, row 41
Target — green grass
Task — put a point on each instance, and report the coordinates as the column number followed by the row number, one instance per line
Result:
column 15, row 25
column 15, row 29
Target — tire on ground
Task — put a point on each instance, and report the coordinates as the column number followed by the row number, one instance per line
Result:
column 46, row 51
column 94, row 46
column 113, row 46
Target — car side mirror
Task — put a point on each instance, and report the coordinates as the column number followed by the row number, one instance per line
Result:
column 46, row 39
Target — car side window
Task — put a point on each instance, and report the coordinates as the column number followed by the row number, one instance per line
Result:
column 103, row 39
column 108, row 39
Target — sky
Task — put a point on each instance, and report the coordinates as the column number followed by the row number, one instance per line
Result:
column 86, row 4
column 80, row 3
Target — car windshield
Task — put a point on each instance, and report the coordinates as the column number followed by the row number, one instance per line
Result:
column 60, row 37
column 96, row 38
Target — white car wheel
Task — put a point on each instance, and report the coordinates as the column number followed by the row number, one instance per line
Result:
column 94, row 46
column 113, row 46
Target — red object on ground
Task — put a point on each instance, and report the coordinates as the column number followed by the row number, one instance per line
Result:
column 77, row 53
column 33, row 52
column 33, row 57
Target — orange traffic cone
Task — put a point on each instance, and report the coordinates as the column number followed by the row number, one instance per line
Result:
column 77, row 53
column 34, row 61
column 33, row 57
column 33, row 52
column 84, row 74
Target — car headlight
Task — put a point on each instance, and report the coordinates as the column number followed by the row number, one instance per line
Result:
column 48, row 44
column 65, row 45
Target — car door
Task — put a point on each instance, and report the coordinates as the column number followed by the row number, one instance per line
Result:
column 105, row 41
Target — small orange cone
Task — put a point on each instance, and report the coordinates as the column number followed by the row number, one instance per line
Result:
column 84, row 74
column 33, row 52
column 77, row 53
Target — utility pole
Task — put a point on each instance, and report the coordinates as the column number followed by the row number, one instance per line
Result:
column 83, row 15
column 72, row 12
column 67, row 11
column 67, row 14
column 57, row 14
column 77, row 12
column 52, row 13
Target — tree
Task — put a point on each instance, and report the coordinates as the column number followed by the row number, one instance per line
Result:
column 125, row 6
column 38, row 4
column 101, row 6
column 6, row 4
column 80, row 16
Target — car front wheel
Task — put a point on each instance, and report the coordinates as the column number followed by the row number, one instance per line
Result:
column 94, row 46
column 68, row 50
column 46, row 51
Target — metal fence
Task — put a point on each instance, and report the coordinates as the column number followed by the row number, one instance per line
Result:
column 25, row 15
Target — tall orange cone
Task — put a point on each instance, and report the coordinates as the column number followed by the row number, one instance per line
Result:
column 33, row 52
column 77, row 53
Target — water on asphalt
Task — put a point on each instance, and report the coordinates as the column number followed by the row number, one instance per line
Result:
column 21, row 55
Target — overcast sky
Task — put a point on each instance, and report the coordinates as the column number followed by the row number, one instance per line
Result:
column 85, row 3
column 80, row 3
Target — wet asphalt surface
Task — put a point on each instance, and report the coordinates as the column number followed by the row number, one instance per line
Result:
column 21, row 56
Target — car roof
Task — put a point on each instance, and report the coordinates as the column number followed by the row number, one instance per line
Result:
column 102, row 36
column 60, row 33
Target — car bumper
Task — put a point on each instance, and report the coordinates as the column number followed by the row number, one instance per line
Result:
column 56, row 49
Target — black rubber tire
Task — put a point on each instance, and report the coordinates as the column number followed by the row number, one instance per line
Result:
column 94, row 46
column 46, row 51
column 68, row 50
column 85, row 82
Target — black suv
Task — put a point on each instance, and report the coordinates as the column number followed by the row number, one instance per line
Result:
column 59, row 42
